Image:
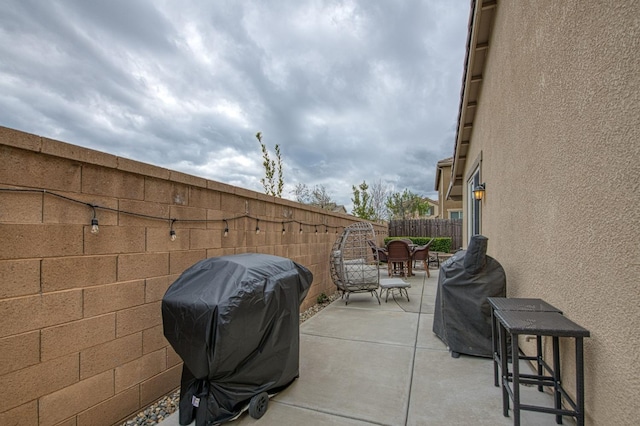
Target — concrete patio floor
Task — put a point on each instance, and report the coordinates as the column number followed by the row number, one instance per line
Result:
column 370, row 364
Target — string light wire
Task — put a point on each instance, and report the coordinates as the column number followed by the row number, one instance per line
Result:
column 172, row 234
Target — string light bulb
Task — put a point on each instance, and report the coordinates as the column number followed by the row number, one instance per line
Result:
column 316, row 229
column 301, row 228
column 283, row 230
column 172, row 233
column 94, row 222
column 94, row 226
column 226, row 228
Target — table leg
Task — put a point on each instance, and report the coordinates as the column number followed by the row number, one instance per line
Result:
column 539, row 359
column 515, row 374
column 494, row 348
column 557, row 395
column 579, row 382
column 504, row 369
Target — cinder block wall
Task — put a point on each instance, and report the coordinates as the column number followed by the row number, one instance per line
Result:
column 81, row 339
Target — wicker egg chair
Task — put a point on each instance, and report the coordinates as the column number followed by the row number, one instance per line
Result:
column 354, row 267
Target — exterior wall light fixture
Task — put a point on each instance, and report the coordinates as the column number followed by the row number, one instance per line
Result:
column 478, row 192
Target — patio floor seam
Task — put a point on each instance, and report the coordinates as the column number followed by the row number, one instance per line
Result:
column 413, row 357
column 351, row 339
column 331, row 413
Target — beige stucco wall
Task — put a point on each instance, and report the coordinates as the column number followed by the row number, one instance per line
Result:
column 558, row 126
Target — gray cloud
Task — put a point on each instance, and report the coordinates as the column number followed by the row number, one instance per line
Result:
column 350, row 90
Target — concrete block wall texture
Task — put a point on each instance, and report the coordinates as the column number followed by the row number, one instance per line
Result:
column 81, row 339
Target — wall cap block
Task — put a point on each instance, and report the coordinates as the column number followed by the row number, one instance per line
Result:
column 20, row 139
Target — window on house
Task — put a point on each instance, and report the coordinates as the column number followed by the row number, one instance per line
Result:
column 474, row 214
column 456, row 214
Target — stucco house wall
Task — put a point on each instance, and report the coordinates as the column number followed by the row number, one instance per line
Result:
column 557, row 129
column 443, row 178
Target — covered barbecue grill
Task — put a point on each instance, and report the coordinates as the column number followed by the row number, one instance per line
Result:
column 234, row 321
column 462, row 316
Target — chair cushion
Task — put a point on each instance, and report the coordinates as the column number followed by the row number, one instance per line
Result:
column 358, row 273
column 394, row 283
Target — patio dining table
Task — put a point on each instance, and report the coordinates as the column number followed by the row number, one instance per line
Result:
column 412, row 249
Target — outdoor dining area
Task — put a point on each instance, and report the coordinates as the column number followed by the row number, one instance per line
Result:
column 356, row 261
column 402, row 255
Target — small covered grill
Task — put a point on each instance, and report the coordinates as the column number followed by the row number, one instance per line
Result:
column 462, row 316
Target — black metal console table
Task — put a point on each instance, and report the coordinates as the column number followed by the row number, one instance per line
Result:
column 516, row 304
column 554, row 324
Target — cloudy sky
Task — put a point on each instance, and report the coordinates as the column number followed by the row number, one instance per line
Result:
column 350, row 90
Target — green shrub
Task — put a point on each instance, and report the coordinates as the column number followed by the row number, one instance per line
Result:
column 322, row 298
column 441, row 244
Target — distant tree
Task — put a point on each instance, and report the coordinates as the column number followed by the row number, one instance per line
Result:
column 362, row 205
column 318, row 196
column 302, row 193
column 321, row 198
column 379, row 195
column 273, row 181
column 422, row 207
column 406, row 205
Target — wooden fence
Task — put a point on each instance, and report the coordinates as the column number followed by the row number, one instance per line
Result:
column 428, row 228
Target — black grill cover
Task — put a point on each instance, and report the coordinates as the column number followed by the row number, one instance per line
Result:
column 234, row 321
column 462, row 316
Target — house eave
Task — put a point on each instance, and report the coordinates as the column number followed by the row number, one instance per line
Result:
column 480, row 23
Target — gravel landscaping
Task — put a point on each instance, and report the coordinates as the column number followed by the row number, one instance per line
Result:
column 169, row 404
